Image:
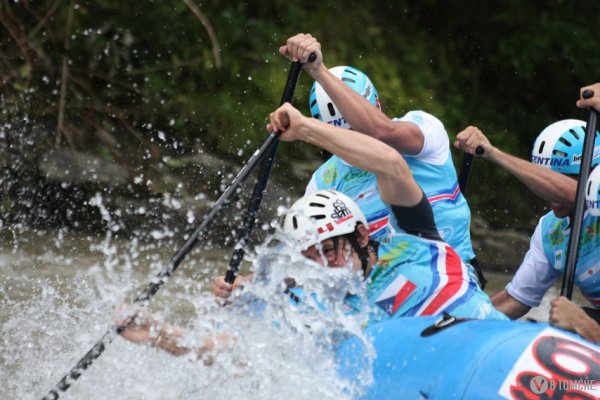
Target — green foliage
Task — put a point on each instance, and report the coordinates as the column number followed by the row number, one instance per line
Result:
column 143, row 82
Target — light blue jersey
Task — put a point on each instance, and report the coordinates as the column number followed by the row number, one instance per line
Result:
column 418, row 277
column 432, row 169
column 544, row 263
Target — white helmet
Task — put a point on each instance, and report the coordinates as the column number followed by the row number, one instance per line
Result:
column 322, row 215
column 321, row 105
column 560, row 147
column 592, row 193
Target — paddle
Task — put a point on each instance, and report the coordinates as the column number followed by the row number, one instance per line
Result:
column 144, row 297
column 265, row 171
column 577, row 219
column 465, row 170
column 463, row 179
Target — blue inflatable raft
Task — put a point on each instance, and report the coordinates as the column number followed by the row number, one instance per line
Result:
column 444, row 358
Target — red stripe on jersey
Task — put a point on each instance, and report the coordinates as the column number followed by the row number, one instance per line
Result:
column 451, row 196
column 375, row 226
column 454, row 271
column 405, row 291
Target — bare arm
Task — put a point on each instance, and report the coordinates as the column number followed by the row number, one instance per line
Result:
column 394, row 179
column 145, row 329
column 594, row 101
column 405, row 137
column 547, row 184
column 508, row 305
column 567, row 315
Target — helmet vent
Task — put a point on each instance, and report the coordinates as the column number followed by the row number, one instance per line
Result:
column 349, row 71
column 348, row 80
column 559, row 153
column 320, row 205
column 331, row 109
column 574, row 133
column 295, row 222
column 317, row 116
column 565, row 141
column 319, row 216
column 322, row 195
column 542, row 146
column 589, row 188
column 313, row 103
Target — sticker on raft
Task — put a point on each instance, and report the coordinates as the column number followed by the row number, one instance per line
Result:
column 554, row 365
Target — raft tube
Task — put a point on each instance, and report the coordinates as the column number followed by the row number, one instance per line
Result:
column 446, row 358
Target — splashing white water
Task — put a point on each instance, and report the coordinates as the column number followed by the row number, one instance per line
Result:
column 58, row 306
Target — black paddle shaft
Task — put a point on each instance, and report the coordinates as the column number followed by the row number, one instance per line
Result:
column 265, row 171
column 577, row 218
column 465, row 170
column 144, row 297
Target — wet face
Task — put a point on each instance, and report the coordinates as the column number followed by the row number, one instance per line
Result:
column 333, row 256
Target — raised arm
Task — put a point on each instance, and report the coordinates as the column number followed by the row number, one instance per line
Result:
column 394, row 179
column 551, row 186
column 403, row 136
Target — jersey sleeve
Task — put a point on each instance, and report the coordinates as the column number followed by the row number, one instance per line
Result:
column 312, row 186
column 535, row 275
column 417, row 220
column 436, row 144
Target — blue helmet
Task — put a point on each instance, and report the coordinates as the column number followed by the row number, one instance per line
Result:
column 560, row 147
column 322, row 107
column 592, row 192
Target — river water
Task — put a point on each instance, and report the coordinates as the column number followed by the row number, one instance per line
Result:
column 58, row 293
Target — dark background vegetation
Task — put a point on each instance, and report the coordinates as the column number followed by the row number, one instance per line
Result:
column 146, row 85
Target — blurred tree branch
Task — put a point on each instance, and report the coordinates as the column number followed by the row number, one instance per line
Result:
column 64, row 76
column 211, row 33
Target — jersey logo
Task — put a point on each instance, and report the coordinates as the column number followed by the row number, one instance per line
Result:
column 589, row 272
column 446, row 233
column 395, row 294
column 328, row 176
column 558, row 259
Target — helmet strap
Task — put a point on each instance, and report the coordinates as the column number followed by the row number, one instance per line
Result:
column 363, row 252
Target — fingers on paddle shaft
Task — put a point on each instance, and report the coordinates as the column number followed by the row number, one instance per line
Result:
column 289, row 282
column 479, row 150
column 285, row 119
column 587, row 94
